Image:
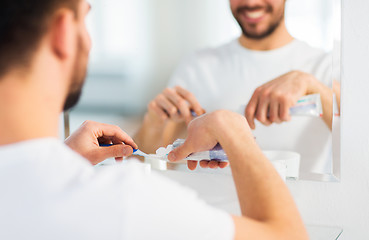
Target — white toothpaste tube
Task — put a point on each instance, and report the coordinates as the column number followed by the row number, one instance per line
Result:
column 309, row 105
column 216, row 154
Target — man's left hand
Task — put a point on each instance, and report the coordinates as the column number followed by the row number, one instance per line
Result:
column 87, row 139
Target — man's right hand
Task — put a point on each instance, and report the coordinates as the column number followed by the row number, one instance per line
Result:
column 175, row 104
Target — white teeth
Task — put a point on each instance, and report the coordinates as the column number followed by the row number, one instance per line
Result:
column 255, row 14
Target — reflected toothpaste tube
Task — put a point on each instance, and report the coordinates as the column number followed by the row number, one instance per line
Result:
column 309, row 105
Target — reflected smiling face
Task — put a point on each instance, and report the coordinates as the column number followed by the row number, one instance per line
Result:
column 81, row 60
column 258, row 18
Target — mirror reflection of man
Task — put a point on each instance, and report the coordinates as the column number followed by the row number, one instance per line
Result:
column 265, row 69
column 49, row 191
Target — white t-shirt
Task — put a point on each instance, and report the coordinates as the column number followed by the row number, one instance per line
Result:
column 227, row 76
column 50, row 192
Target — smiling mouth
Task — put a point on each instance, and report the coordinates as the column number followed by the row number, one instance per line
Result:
column 254, row 14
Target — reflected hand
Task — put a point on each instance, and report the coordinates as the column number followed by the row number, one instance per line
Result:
column 271, row 102
column 87, row 139
column 175, row 104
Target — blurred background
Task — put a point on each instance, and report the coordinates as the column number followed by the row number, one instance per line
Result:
column 138, row 43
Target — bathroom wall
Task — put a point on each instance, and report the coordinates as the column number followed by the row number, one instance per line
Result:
column 346, row 204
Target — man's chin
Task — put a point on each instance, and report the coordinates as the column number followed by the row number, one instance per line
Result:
column 258, row 31
column 256, row 36
column 261, row 34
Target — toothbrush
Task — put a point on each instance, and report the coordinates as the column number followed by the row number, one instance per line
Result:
column 138, row 152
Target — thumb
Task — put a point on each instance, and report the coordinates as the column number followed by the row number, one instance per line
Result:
column 115, row 151
column 180, row 152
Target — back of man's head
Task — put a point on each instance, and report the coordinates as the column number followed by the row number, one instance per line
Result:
column 22, row 25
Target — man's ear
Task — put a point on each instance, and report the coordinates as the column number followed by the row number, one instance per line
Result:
column 63, row 34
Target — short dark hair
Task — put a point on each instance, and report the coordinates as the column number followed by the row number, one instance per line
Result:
column 22, row 25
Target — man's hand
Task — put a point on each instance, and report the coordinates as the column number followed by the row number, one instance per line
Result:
column 205, row 132
column 175, row 104
column 276, row 215
column 167, row 118
column 271, row 102
column 87, row 139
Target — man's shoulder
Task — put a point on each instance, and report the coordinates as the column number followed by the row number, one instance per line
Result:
column 304, row 49
column 214, row 54
column 50, row 165
column 97, row 202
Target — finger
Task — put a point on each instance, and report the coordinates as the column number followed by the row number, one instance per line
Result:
column 158, row 111
column 115, row 151
column 167, row 106
column 284, row 112
column 185, row 111
column 223, row 164
column 180, row 152
column 250, row 110
column 180, row 103
column 204, row 164
column 106, row 142
column 213, row 164
column 274, row 112
column 116, row 142
column 113, row 132
column 191, row 99
column 192, row 165
column 262, row 111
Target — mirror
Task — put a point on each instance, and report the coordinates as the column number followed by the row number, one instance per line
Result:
column 137, row 45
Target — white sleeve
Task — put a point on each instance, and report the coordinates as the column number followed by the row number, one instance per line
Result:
column 165, row 210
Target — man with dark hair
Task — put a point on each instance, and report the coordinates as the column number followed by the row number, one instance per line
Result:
column 49, row 191
column 26, row 23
